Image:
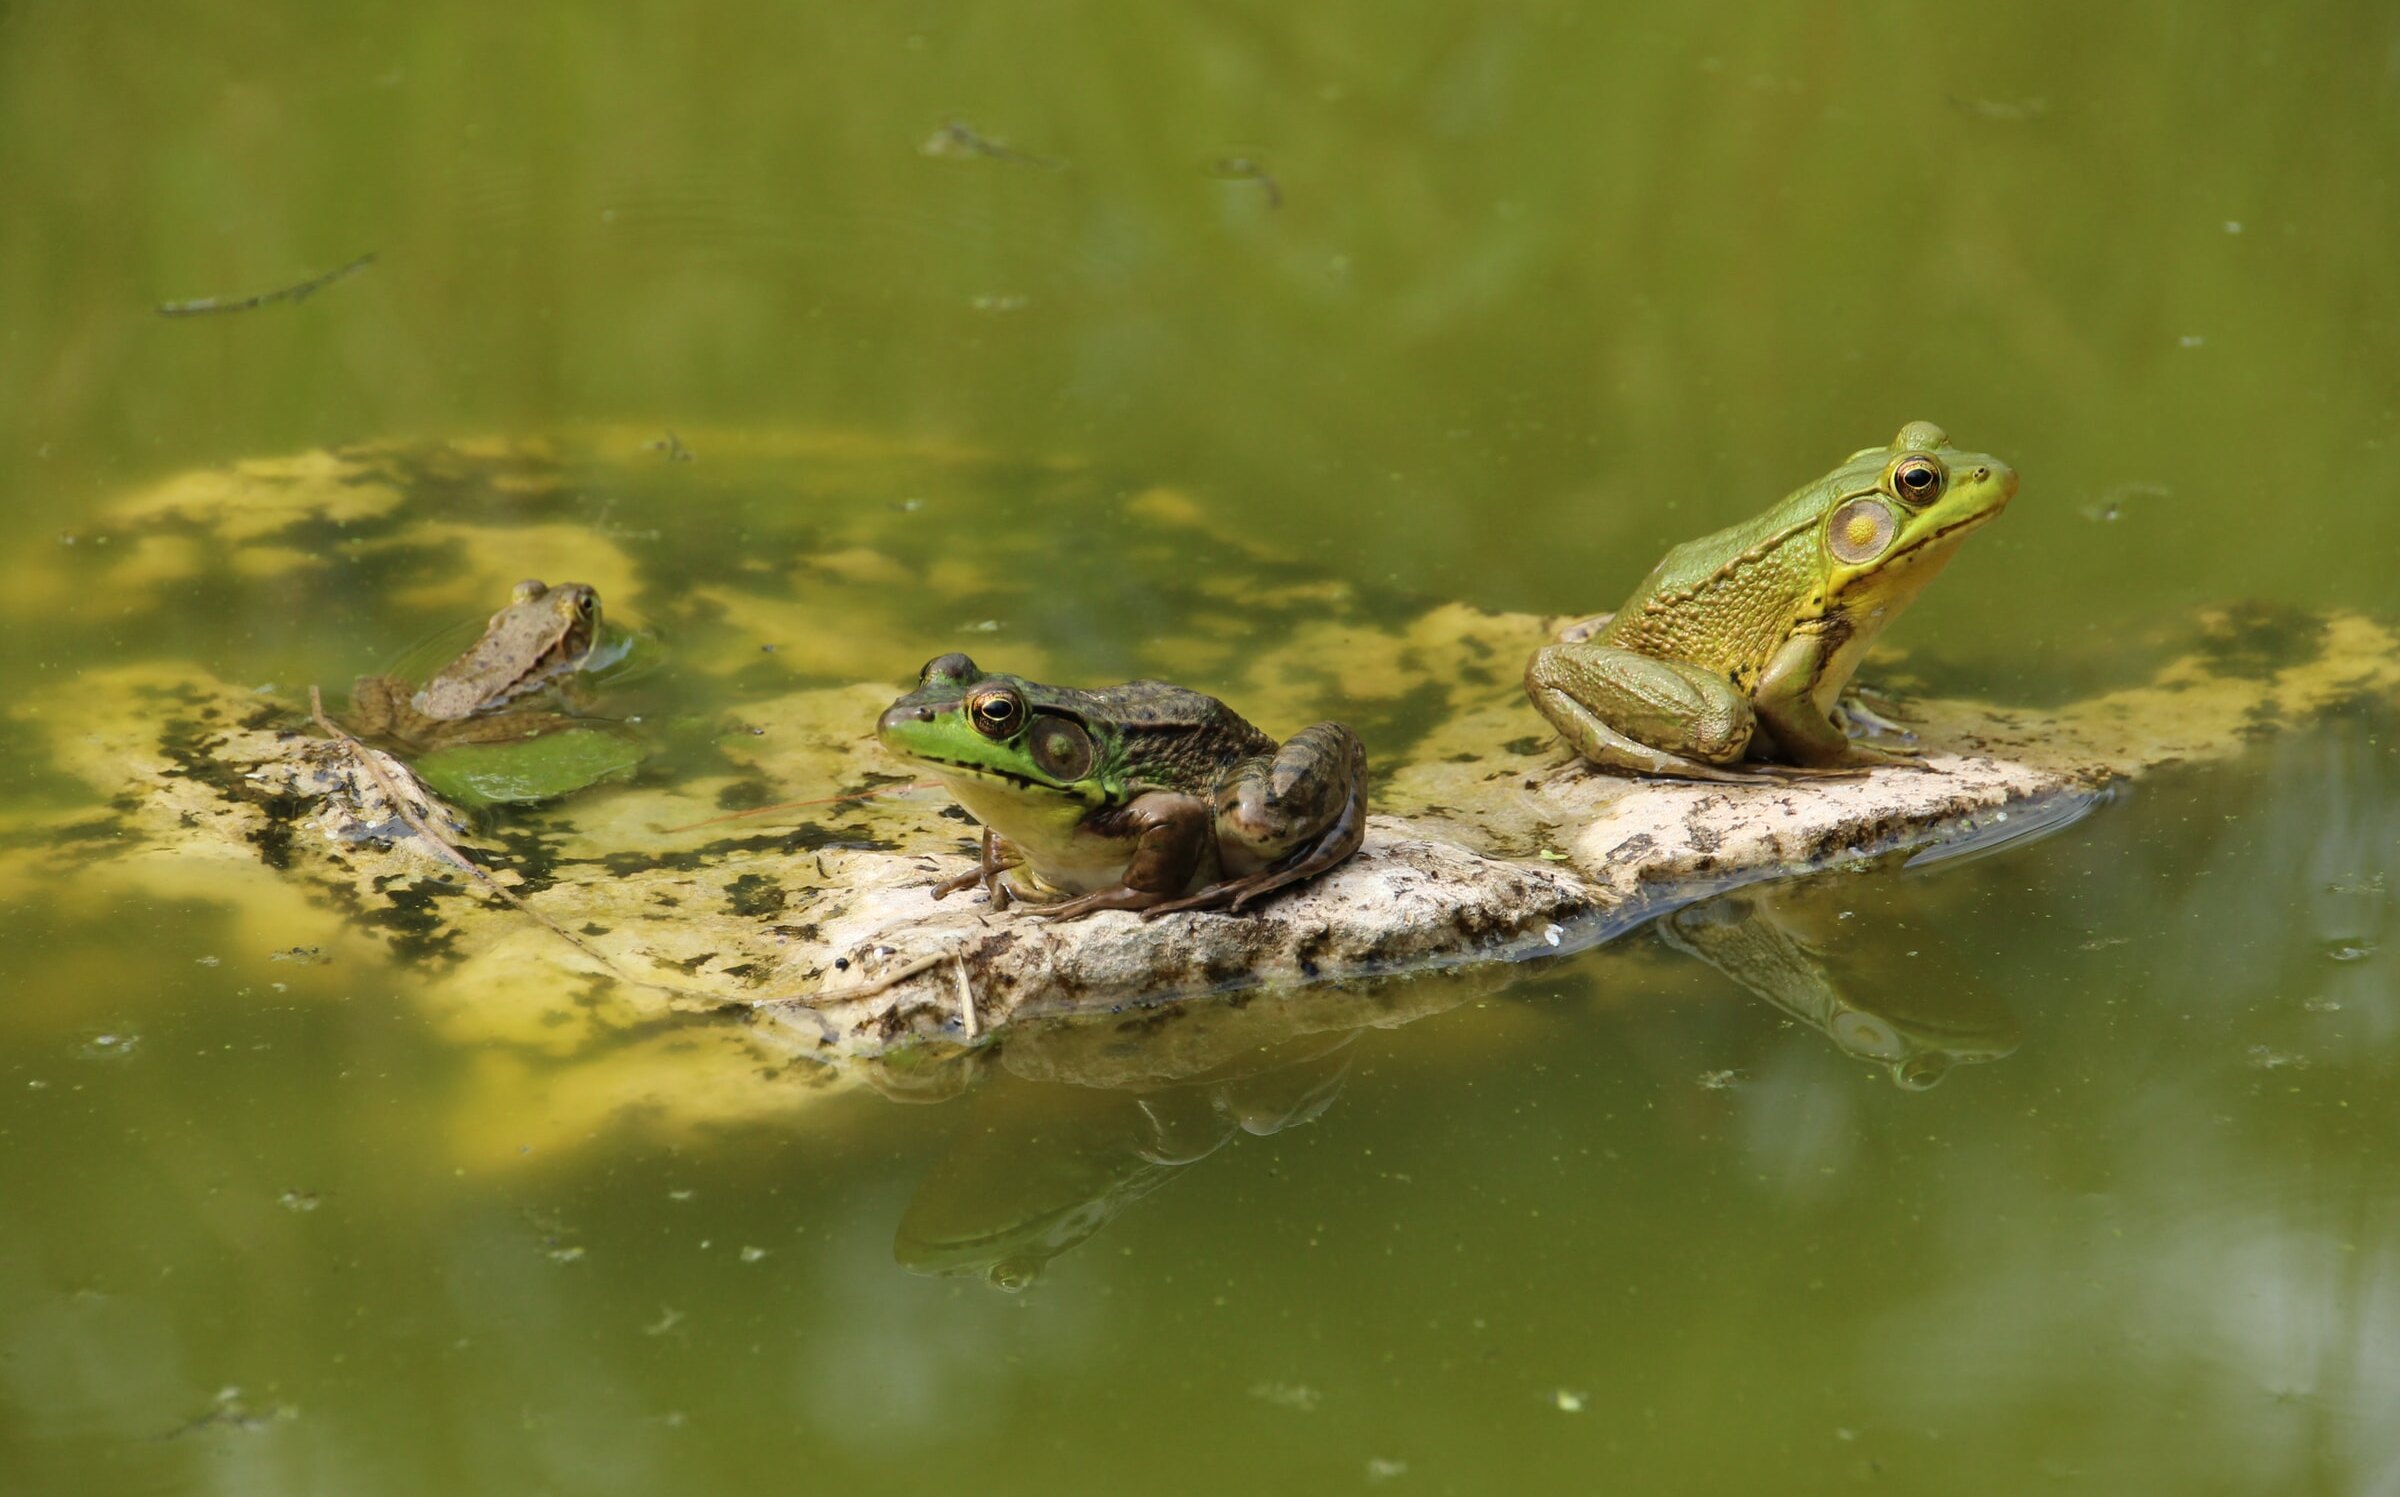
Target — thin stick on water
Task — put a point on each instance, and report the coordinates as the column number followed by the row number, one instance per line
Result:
column 297, row 292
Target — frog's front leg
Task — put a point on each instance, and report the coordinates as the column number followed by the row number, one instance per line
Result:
column 998, row 856
column 1171, row 840
column 1626, row 711
column 1285, row 818
column 1787, row 708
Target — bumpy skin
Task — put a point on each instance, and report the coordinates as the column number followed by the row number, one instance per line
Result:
column 542, row 637
column 543, row 634
column 1735, row 650
column 1141, row 797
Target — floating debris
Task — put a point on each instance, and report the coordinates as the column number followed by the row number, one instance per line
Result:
column 1719, row 1081
column 298, row 292
column 999, row 304
column 2350, row 951
column 958, row 138
column 2268, row 1058
column 752, row 1254
column 307, row 956
column 1248, row 169
column 111, row 1045
column 1298, row 1397
column 671, row 447
column 2003, row 111
column 668, row 1319
column 1380, row 1469
column 228, row 1410
column 298, row 1201
column 2322, row 1005
column 1569, row 1400
column 2112, row 502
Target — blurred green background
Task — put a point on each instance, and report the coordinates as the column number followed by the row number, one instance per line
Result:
column 1506, row 299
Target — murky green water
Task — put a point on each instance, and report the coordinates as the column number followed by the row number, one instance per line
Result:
column 1502, row 303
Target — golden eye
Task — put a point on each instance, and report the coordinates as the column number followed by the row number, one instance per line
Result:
column 1917, row 479
column 996, row 713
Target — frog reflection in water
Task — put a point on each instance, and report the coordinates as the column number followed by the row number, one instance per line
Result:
column 1137, row 797
column 1043, row 1165
column 1772, row 939
column 1730, row 661
column 542, row 638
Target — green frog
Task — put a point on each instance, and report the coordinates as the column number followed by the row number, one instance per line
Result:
column 1141, row 797
column 544, row 636
column 1730, row 660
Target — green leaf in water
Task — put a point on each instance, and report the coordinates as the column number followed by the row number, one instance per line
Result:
column 532, row 769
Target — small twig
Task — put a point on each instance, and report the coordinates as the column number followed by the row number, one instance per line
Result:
column 958, row 138
column 968, row 1024
column 297, row 292
column 449, row 850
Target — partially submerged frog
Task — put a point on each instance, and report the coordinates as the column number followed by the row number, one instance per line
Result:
column 1141, row 797
column 1730, row 660
column 544, row 636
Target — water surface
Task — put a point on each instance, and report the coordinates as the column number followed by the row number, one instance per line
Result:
column 1464, row 302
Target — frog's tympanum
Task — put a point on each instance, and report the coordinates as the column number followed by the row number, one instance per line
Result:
column 1137, row 797
column 1729, row 661
column 541, row 638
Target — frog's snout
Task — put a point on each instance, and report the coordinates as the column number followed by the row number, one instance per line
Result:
column 900, row 715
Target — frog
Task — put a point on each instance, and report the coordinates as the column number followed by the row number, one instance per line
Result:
column 543, row 637
column 1731, row 660
column 1147, row 796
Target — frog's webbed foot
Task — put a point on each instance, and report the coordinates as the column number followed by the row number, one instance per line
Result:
column 1865, row 713
column 1313, row 790
column 996, row 859
column 1121, row 897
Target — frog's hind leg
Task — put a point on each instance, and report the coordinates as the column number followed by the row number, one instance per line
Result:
column 1286, row 818
column 1669, row 699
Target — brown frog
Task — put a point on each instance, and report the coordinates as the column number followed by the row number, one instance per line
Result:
column 544, row 636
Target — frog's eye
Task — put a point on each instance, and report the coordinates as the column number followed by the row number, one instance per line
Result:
column 1061, row 749
column 1917, row 479
column 1860, row 530
column 995, row 713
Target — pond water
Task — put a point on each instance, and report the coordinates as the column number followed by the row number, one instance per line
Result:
column 1482, row 303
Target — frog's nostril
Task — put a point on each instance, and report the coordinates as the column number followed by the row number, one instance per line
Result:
column 1982, row 473
column 924, row 714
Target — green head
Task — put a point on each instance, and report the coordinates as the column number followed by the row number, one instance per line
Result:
column 1893, row 515
column 967, row 725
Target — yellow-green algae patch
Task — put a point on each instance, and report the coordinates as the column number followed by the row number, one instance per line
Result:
column 682, row 971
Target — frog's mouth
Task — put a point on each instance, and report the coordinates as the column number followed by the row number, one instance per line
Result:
column 991, row 774
column 988, row 772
